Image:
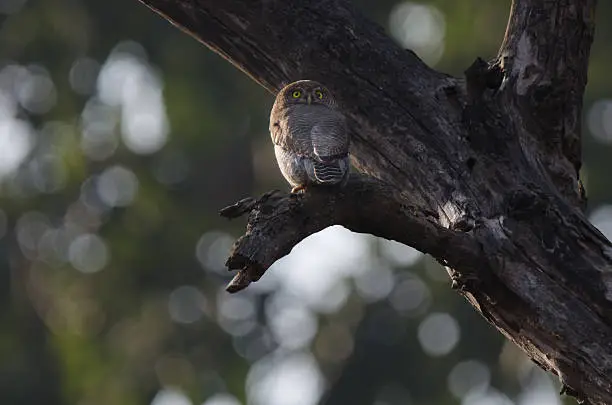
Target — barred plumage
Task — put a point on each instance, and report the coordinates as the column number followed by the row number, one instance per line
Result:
column 309, row 134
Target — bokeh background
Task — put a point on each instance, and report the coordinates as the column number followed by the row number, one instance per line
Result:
column 121, row 138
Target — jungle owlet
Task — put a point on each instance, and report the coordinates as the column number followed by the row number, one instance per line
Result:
column 309, row 135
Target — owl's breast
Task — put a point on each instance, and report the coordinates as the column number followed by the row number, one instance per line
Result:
column 301, row 118
column 292, row 127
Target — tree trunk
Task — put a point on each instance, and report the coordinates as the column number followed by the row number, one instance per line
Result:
column 481, row 172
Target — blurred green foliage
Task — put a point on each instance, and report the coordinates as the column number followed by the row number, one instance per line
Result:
column 121, row 137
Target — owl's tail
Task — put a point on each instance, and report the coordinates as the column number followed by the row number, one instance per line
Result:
column 333, row 170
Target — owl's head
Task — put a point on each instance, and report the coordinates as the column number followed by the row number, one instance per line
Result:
column 306, row 92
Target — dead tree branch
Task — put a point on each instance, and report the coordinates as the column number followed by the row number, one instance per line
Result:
column 279, row 221
column 545, row 54
column 482, row 172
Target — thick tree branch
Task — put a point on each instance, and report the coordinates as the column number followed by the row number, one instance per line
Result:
column 489, row 172
column 279, row 42
column 545, row 55
column 279, row 221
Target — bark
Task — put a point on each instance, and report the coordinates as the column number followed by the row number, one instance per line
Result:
column 481, row 172
column 279, row 221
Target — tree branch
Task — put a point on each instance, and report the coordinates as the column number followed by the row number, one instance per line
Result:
column 545, row 55
column 279, row 221
column 483, row 179
column 278, row 42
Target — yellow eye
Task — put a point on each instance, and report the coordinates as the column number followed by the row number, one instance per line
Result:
column 296, row 94
column 319, row 93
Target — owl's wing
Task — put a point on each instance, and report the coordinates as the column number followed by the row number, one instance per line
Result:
column 330, row 144
column 329, row 136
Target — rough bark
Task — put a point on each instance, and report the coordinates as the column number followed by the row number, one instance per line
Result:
column 481, row 172
column 279, row 221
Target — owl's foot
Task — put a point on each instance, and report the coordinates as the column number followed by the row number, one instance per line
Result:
column 297, row 189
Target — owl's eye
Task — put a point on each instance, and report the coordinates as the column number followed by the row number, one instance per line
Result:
column 319, row 94
column 296, row 94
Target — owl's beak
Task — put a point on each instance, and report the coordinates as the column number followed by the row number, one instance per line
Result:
column 309, row 99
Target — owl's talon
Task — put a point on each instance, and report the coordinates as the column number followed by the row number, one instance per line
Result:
column 297, row 189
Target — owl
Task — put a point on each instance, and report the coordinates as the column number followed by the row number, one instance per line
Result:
column 309, row 133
